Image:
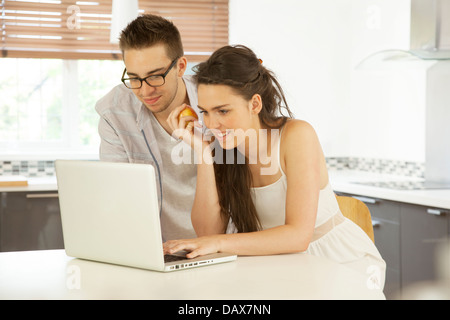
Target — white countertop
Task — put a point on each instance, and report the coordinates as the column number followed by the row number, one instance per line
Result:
column 35, row 184
column 343, row 181
column 51, row 274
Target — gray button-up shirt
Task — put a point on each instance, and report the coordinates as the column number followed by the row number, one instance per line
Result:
column 128, row 135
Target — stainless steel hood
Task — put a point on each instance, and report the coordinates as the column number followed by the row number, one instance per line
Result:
column 437, row 153
column 436, row 104
column 430, row 29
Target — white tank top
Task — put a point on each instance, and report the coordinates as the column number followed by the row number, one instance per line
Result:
column 270, row 200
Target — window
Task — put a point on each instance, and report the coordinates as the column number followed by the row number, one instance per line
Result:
column 30, row 108
column 48, row 104
column 56, row 62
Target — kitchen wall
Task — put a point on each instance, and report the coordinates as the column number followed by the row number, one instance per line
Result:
column 318, row 50
column 315, row 48
column 307, row 45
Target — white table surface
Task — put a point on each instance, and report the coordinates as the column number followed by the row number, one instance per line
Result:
column 51, row 274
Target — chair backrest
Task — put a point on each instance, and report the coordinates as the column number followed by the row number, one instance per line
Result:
column 358, row 212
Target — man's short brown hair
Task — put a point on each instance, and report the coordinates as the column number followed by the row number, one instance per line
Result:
column 148, row 30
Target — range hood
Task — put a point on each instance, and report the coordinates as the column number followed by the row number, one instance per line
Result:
column 430, row 39
column 437, row 154
column 430, row 29
column 401, row 75
column 434, row 82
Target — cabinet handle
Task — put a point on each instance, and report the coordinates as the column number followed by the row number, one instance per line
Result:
column 376, row 224
column 436, row 212
column 41, row 195
column 366, row 200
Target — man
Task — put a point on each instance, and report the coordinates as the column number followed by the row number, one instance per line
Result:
column 133, row 126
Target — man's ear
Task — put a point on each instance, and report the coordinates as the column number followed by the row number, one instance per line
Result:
column 256, row 104
column 182, row 66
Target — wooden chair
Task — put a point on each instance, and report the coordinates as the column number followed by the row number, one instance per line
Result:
column 358, row 212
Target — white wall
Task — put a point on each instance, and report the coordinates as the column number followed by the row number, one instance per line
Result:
column 387, row 109
column 313, row 46
column 307, row 45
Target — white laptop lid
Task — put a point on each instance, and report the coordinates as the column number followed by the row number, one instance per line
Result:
column 110, row 212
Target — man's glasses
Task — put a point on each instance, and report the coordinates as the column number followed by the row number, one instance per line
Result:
column 156, row 80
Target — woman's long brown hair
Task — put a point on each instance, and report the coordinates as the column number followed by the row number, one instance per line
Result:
column 239, row 68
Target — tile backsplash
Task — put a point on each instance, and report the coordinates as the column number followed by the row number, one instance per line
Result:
column 394, row 167
column 403, row 168
column 29, row 168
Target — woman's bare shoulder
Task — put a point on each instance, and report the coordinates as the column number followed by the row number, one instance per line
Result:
column 296, row 131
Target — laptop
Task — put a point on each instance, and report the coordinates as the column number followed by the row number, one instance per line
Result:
column 110, row 213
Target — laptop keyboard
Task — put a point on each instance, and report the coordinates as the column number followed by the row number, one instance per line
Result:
column 171, row 258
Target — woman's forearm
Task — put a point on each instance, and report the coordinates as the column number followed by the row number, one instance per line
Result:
column 205, row 215
column 277, row 240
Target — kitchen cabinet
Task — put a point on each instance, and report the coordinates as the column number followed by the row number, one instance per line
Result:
column 30, row 221
column 406, row 236
column 423, row 229
column 386, row 221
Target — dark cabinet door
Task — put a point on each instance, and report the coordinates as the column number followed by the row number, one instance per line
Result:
column 407, row 236
column 30, row 221
column 423, row 229
column 386, row 228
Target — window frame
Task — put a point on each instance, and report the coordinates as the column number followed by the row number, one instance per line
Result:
column 70, row 29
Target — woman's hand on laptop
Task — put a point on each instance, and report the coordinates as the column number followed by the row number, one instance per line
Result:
column 196, row 247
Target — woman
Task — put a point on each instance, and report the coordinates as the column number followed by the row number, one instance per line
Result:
column 280, row 199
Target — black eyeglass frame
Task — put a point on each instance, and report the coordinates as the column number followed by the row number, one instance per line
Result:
column 163, row 76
